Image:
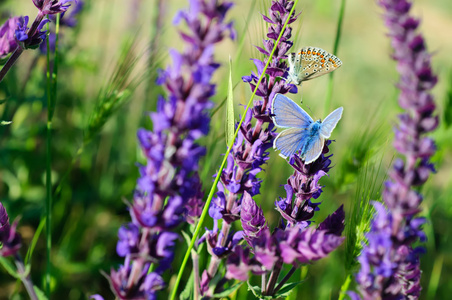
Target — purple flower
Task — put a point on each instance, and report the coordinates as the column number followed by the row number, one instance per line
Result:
column 250, row 150
column 303, row 186
column 389, row 262
column 294, row 245
column 24, row 36
column 67, row 19
column 252, row 218
column 50, row 7
column 145, row 287
column 71, row 19
column 7, row 37
column 168, row 191
column 10, row 240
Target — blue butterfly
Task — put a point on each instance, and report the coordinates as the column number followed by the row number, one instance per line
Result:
column 303, row 133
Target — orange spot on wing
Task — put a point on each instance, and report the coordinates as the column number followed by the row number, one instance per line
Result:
column 309, row 51
column 323, row 60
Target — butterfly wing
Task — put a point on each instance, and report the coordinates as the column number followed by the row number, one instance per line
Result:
column 316, row 62
column 290, row 141
column 287, row 113
column 314, row 150
column 330, row 122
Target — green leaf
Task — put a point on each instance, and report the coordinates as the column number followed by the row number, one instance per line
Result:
column 34, row 240
column 229, row 290
column 9, row 267
column 255, row 290
column 286, row 289
column 187, row 238
column 41, row 295
column 187, row 293
column 4, row 100
column 230, row 109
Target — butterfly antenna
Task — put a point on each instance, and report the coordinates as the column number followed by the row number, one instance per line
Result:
column 311, row 113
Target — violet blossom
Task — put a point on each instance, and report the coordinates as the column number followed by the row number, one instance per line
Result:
column 250, row 149
column 390, row 262
column 294, row 245
column 50, row 7
column 303, row 186
column 8, row 41
column 168, row 191
column 67, row 19
column 10, row 244
column 10, row 240
column 293, row 242
column 30, row 38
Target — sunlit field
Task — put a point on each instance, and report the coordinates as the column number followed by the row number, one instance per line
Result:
column 72, row 149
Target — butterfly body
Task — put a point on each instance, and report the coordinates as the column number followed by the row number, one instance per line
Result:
column 302, row 133
column 309, row 63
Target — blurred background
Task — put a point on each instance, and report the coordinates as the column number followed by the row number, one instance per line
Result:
column 94, row 164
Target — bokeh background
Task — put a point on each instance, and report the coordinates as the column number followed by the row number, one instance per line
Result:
column 93, row 182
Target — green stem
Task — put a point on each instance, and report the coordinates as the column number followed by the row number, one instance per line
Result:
column 48, row 171
column 223, row 163
column 329, row 92
column 51, row 101
column 345, row 287
column 285, row 279
column 25, row 277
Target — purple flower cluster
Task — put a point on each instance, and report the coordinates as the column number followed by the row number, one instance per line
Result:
column 23, row 36
column 66, row 20
column 32, row 37
column 389, row 263
column 304, row 185
column 294, row 245
column 8, row 41
column 28, row 38
column 10, row 240
column 169, row 191
column 50, row 7
column 293, row 242
column 250, row 150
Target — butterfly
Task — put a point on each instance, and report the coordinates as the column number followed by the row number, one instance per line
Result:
column 309, row 63
column 303, row 134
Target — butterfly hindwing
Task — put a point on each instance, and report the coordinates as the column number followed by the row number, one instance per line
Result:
column 314, row 150
column 316, row 62
column 330, row 122
column 287, row 113
column 311, row 62
column 290, row 141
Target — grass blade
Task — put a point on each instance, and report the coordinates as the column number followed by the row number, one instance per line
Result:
column 230, row 108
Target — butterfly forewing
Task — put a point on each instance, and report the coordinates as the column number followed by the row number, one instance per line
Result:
column 316, row 62
column 290, row 141
column 287, row 113
column 330, row 122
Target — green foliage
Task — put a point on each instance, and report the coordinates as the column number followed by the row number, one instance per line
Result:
column 368, row 188
column 117, row 91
